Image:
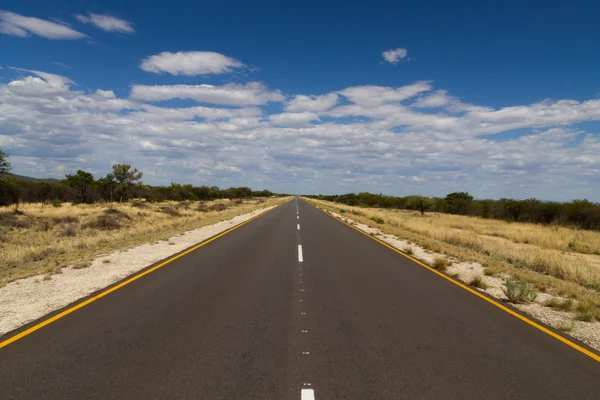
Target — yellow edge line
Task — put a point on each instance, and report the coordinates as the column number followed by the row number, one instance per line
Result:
column 476, row 293
column 120, row 285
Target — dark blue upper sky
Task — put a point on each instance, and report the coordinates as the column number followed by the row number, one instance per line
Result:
column 523, row 51
column 492, row 54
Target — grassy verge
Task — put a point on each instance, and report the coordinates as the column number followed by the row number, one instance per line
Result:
column 42, row 239
column 542, row 256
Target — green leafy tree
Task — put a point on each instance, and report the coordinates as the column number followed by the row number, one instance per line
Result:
column 81, row 181
column 420, row 203
column 458, row 202
column 107, row 186
column 126, row 177
column 4, row 164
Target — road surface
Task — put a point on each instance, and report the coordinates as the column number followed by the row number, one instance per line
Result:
column 293, row 305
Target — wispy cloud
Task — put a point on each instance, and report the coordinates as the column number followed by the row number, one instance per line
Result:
column 190, row 63
column 107, row 23
column 22, row 26
column 394, row 56
column 252, row 93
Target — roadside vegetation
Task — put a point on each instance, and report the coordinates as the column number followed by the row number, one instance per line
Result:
column 536, row 258
column 42, row 238
column 577, row 213
column 48, row 225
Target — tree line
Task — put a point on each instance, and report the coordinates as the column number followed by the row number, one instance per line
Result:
column 580, row 213
column 122, row 184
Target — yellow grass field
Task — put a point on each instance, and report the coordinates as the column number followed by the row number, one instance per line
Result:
column 559, row 259
column 42, row 239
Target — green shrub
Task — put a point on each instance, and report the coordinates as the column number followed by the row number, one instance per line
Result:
column 378, row 220
column 56, row 203
column 519, row 291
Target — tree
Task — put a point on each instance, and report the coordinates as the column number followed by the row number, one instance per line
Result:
column 4, row 164
column 107, row 186
column 458, row 202
column 126, row 178
column 420, row 203
column 81, row 181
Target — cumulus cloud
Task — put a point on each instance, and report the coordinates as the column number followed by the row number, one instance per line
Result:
column 50, row 128
column 394, row 56
column 190, row 63
column 22, row 26
column 372, row 96
column 302, row 103
column 294, row 119
column 249, row 94
column 107, row 23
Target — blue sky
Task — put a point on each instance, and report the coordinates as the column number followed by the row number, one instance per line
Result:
column 497, row 98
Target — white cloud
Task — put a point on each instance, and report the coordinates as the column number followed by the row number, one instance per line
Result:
column 19, row 25
column 302, row 103
column 190, row 63
column 107, row 23
column 439, row 98
column 249, row 94
column 372, row 96
column 49, row 128
column 294, row 119
column 394, row 56
column 52, row 79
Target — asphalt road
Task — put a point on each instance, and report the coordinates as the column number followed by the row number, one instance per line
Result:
column 243, row 318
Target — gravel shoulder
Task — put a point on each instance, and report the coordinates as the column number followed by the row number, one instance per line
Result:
column 28, row 299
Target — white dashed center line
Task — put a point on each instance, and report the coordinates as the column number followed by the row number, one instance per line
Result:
column 300, row 257
column 298, row 226
column 297, row 216
column 307, row 394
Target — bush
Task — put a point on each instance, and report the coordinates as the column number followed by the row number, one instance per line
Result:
column 65, row 220
column 202, row 207
column 139, row 204
column 218, row 207
column 238, row 201
column 9, row 219
column 519, row 291
column 440, row 264
column 56, row 203
column 68, row 232
column 564, row 305
column 477, row 281
column 408, row 250
column 170, row 211
column 116, row 213
column 588, row 311
column 378, row 220
column 104, row 222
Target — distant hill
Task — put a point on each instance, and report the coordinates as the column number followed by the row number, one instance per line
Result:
column 29, row 178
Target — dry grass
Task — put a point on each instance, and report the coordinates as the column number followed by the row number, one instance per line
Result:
column 44, row 239
column 558, row 259
column 440, row 264
column 477, row 281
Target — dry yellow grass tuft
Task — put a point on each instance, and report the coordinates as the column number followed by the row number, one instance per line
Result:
column 41, row 239
column 564, row 259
